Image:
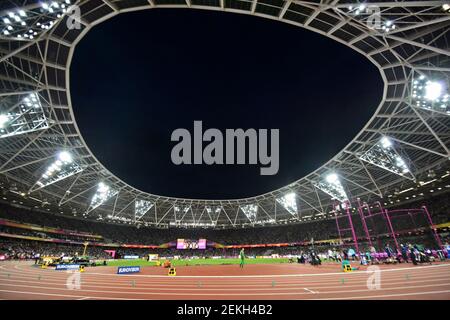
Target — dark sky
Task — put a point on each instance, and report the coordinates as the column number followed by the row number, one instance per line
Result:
column 141, row 75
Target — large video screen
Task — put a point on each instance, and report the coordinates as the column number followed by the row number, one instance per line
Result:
column 191, row 244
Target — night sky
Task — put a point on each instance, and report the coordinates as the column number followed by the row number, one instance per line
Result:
column 139, row 76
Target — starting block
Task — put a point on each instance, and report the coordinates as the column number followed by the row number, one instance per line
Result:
column 44, row 266
column 172, row 272
column 81, row 269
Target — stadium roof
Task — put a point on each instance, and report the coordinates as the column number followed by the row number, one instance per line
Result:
column 44, row 159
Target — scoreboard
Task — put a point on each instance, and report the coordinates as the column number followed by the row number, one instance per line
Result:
column 191, row 244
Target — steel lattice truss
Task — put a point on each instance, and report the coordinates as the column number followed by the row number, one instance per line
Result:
column 409, row 47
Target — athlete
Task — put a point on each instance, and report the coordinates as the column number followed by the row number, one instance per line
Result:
column 242, row 257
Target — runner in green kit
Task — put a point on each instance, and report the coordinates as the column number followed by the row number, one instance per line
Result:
column 242, row 257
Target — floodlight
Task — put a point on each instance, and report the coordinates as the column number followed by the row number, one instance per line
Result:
column 65, row 156
column 332, row 186
column 103, row 194
column 177, row 209
column 289, row 202
column 332, row 178
column 46, row 14
column 3, row 120
column 250, row 211
column 384, row 155
column 61, row 168
column 213, row 213
column 22, row 116
column 141, row 207
column 430, row 95
column 433, row 90
column 386, row 142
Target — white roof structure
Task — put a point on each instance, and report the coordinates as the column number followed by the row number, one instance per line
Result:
column 408, row 41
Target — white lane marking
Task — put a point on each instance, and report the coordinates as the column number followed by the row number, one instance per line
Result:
column 62, row 295
column 389, row 295
column 310, row 290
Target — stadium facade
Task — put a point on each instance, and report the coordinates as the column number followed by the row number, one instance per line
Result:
column 45, row 162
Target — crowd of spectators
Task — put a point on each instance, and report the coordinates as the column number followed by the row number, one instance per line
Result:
column 26, row 249
column 43, row 234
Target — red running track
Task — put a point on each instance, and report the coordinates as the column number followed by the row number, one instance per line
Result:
column 22, row 280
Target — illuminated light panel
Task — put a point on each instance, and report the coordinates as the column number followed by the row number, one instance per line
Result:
column 387, row 26
column 22, row 114
column 116, row 218
column 28, row 24
column 141, row 207
column 178, row 209
column 198, row 224
column 103, row 194
column 214, row 213
column 340, row 206
column 63, row 167
column 250, row 211
column 430, row 95
column 289, row 202
column 366, row 14
column 384, row 155
column 332, row 186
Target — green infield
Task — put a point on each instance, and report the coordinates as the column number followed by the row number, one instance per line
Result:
column 130, row 263
column 195, row 262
